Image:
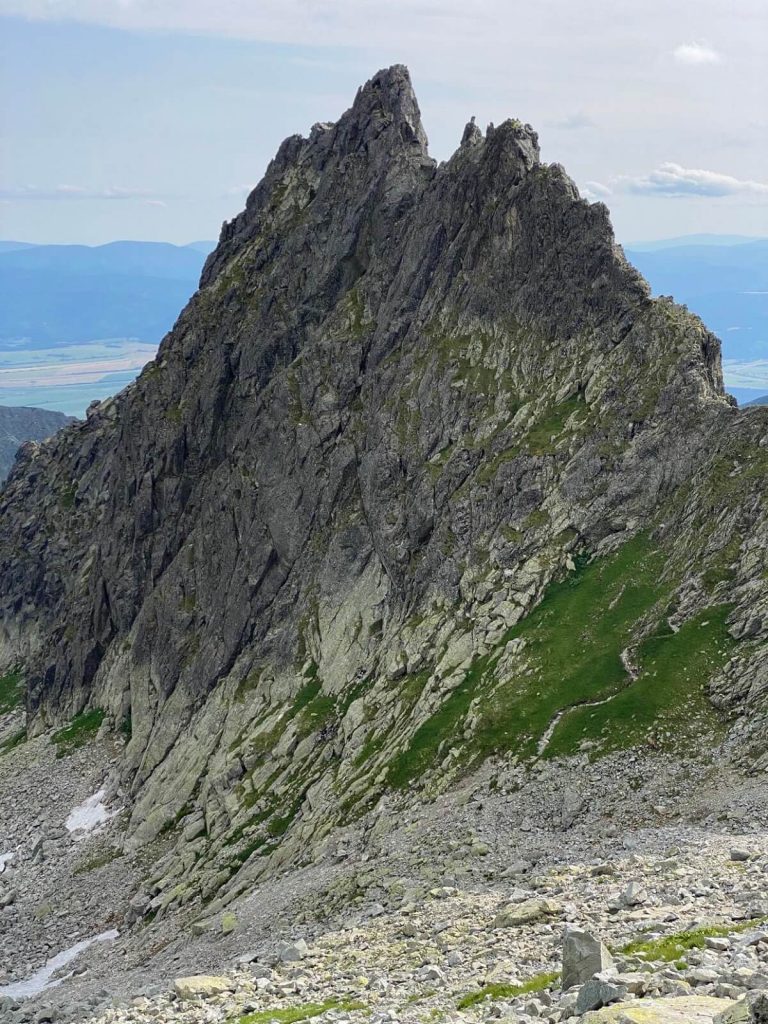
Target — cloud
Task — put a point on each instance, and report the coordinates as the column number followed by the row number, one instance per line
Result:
column 746, row 374
column 65, row 192
column 239, row 191
column 595, row 190
column 308, row 21
column 673, row 180
column 573, row 122
column 695, row 53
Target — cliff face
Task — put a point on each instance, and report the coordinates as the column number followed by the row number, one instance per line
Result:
column 300, row 561
column 18, row 425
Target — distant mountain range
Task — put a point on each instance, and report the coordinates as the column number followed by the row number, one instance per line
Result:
column 20, row 424
column 702, row 239
column 726, row 284
column 54, row 295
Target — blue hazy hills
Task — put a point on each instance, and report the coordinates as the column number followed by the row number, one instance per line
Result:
column 726, row 284
column 58, row 295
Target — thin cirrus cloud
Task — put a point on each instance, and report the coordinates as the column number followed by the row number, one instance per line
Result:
column 78, row 192
column 595, row 190
column 696, row 53
column 670, row 180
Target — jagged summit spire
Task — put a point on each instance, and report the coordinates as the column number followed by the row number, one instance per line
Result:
column 388, row 96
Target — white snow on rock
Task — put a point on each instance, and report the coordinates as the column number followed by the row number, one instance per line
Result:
column 43, row 979
column 91, row 814
column 5, row 858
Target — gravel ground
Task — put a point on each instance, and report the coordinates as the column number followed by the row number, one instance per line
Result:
column 401, row 912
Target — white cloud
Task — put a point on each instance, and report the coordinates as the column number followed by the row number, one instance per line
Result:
column 317, row 22
column 696, row 53
column 671, row 179
column 594, row 190
column 746, row 374
column 239, row 191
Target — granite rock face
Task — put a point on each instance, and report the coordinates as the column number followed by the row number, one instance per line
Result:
column 19, row 424
column 405, row 402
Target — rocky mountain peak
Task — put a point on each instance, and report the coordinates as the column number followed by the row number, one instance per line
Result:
column 387, row 101
column 325, row 548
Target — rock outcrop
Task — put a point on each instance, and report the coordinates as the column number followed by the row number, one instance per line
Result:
column 300, row 562
column 19, row 424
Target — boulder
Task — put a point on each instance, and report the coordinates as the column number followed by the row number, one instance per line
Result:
column 291, row 951
column 634, row 895
column 583, row 956
column 752, row 1009
column 674, row 1010
column 527, row 912
column 598, row 992
column 202, row 986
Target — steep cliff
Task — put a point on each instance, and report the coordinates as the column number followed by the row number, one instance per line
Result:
column 420, row 467
column 19, row 424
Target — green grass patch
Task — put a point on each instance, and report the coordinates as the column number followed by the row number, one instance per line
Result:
column 498, row 990
column 67, row 497
column 544, row 435
column 668, row 701
column 80, row 731
column 307, row 693
column 671, row 948
column 11, row 690
column 574, row 639
column 319, row 711
column 291, row 1014
column 572, row 656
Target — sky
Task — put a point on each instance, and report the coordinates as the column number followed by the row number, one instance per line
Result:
column 151, row 119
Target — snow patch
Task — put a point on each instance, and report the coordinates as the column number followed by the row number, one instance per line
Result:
column 91, row 814
column 5, row 858
column 43, row 979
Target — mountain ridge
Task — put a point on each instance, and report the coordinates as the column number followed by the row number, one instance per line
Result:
column 19, row 424
column 303, row 553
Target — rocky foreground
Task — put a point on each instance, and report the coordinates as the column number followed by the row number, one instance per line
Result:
column 453, row 910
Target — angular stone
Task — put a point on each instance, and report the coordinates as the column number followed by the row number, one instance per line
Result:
column 634, row 895
column 289, row 951
column 752, row 1009
column 597, row 993
column 583, row 956
column 527, row 912
column 202, row 986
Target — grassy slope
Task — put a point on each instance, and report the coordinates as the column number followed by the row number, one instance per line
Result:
column 573, row 643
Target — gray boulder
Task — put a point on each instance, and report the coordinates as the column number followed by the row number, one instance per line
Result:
column 752, row 1009
column 598, row 992
column 583, row 956
column 290, row 951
